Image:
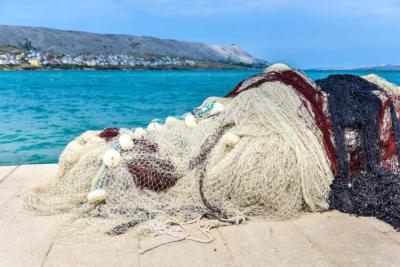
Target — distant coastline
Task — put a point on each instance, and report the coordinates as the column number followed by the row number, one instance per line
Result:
column 212, row 66
column 387, row 67
column 35, row 48
column 12, row 58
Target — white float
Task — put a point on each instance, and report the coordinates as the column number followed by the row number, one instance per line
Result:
column 124, row 131
column 97, row 196
column 88, row 135
column 112, row 158
column 171, row 121
column 154, row 126
column 278, row 67
column 190, row 121
column 74, row 147
column 125, row 141
column 217, row 108
column 230, row 139
column 138, row 133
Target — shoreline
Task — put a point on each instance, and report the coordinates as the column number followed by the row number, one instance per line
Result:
column 224, row 68
column 150, row 69
column 129, row 68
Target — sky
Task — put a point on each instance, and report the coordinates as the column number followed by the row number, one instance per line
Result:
column 301, row 33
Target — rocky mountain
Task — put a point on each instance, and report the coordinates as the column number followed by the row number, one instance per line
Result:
column 75, row 43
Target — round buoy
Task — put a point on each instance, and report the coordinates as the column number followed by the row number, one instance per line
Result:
column 139, row 133
column 278, row 67
column 112, row 158
column 190, row 121
column 97, row 196
column 125, row 141
column 88, row 135
column 74, row 147
column 217, row 108
column 154, row 126
column 170, row 121
column 230, row 139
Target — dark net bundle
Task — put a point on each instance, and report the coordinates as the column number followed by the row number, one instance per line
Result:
column 354, row 107
column 362, row 187
column 374, row 193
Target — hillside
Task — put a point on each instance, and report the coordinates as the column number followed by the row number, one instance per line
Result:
column 75, row 43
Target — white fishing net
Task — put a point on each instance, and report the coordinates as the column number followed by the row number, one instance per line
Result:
column 261, row 155
column 382, row 83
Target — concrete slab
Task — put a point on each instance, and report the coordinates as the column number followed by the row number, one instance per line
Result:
column 186, row 253
column 7, row 194
column 271, row 244
column 5, row 170
column 13, row 206
column 394, row 236
column 26, row 177
column 25, row 242
column 30, row 175
column 348, row 241
column 328, row 239
column 100, row 253
column 377, row 224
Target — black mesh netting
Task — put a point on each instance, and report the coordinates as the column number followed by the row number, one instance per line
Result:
column 373, row 191
column 354, row 106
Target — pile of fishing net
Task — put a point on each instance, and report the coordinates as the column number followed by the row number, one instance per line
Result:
column 252, row 153
column 270, row 148
column 366, row 132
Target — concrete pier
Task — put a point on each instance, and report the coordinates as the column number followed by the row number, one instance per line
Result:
column 327, row 239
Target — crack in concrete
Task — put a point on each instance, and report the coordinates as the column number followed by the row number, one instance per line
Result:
column 9, row 174
column 47, row 254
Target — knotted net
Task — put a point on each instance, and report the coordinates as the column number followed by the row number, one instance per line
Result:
column 262, row 155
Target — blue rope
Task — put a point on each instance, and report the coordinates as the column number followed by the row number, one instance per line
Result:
column 104, row 174
column 203, row 111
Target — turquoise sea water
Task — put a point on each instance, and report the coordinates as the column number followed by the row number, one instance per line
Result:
column 41, row 111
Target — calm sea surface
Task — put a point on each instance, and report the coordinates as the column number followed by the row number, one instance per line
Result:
column 41, row 111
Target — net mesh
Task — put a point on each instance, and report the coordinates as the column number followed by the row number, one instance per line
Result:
column 277, row 169
column 366, row 130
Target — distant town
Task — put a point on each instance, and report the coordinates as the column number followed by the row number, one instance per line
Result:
column 16, row 59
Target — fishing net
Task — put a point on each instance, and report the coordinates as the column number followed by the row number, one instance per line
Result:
column 259, row 151
column 375, row 193
column 270, row 148
column 383, row 84
column 366, row 133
